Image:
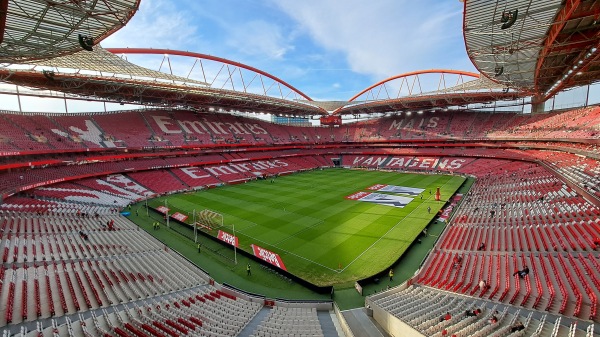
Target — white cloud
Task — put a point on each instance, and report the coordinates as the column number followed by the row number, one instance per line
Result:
column 157, row 24
column 259, row 38
column 385, row 37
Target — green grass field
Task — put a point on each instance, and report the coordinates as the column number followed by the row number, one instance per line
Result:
column 307, row 220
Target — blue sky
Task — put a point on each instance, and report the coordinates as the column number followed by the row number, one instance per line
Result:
column 329, row 49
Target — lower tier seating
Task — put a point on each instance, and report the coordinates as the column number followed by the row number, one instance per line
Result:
column 432, row 312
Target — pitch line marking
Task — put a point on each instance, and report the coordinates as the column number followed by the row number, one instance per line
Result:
column 298, row 232
column 386, row 233
column 296, row 255
column 254, row 224
column 281, row 249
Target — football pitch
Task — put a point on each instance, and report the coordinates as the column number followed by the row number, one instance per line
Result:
column 319, row 234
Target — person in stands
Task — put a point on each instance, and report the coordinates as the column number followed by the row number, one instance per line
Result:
column 517, row 327
column 457, row 261
column 481, row 246
column 482, row 285
column 472, row 313
column 522, row 273
column 446, row 317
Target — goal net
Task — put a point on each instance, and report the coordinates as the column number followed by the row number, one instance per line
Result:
column 209, row 219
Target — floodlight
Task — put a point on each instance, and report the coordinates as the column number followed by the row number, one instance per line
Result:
column 48, row 74
column 509, row 18
column 499, row 71
column 86, row 42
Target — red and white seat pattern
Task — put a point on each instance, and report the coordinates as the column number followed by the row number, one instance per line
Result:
column 518, row 214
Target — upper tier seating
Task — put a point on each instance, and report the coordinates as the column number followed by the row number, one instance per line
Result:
column 578, row 123
column 164, row 128
column 40, row 130
column 80, row 130
column 14, row 137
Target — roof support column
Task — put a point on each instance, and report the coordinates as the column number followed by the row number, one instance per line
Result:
column 538, row 104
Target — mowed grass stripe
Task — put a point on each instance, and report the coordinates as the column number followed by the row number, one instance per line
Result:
column 400, row 236
column 264, row 198
column 244, row 207
column 307, row 220
column 329, row 237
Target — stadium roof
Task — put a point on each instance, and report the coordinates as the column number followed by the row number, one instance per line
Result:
column 35, row 29
column 540, row 47
column 522, row 47
column 378, row 98
column 106, row 64
column 102, row 74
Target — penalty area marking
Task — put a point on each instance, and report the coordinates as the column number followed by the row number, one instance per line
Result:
column 298, row 232
column 386, row 233
column 337, row 270
column 296, row 255
column 283, row 250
